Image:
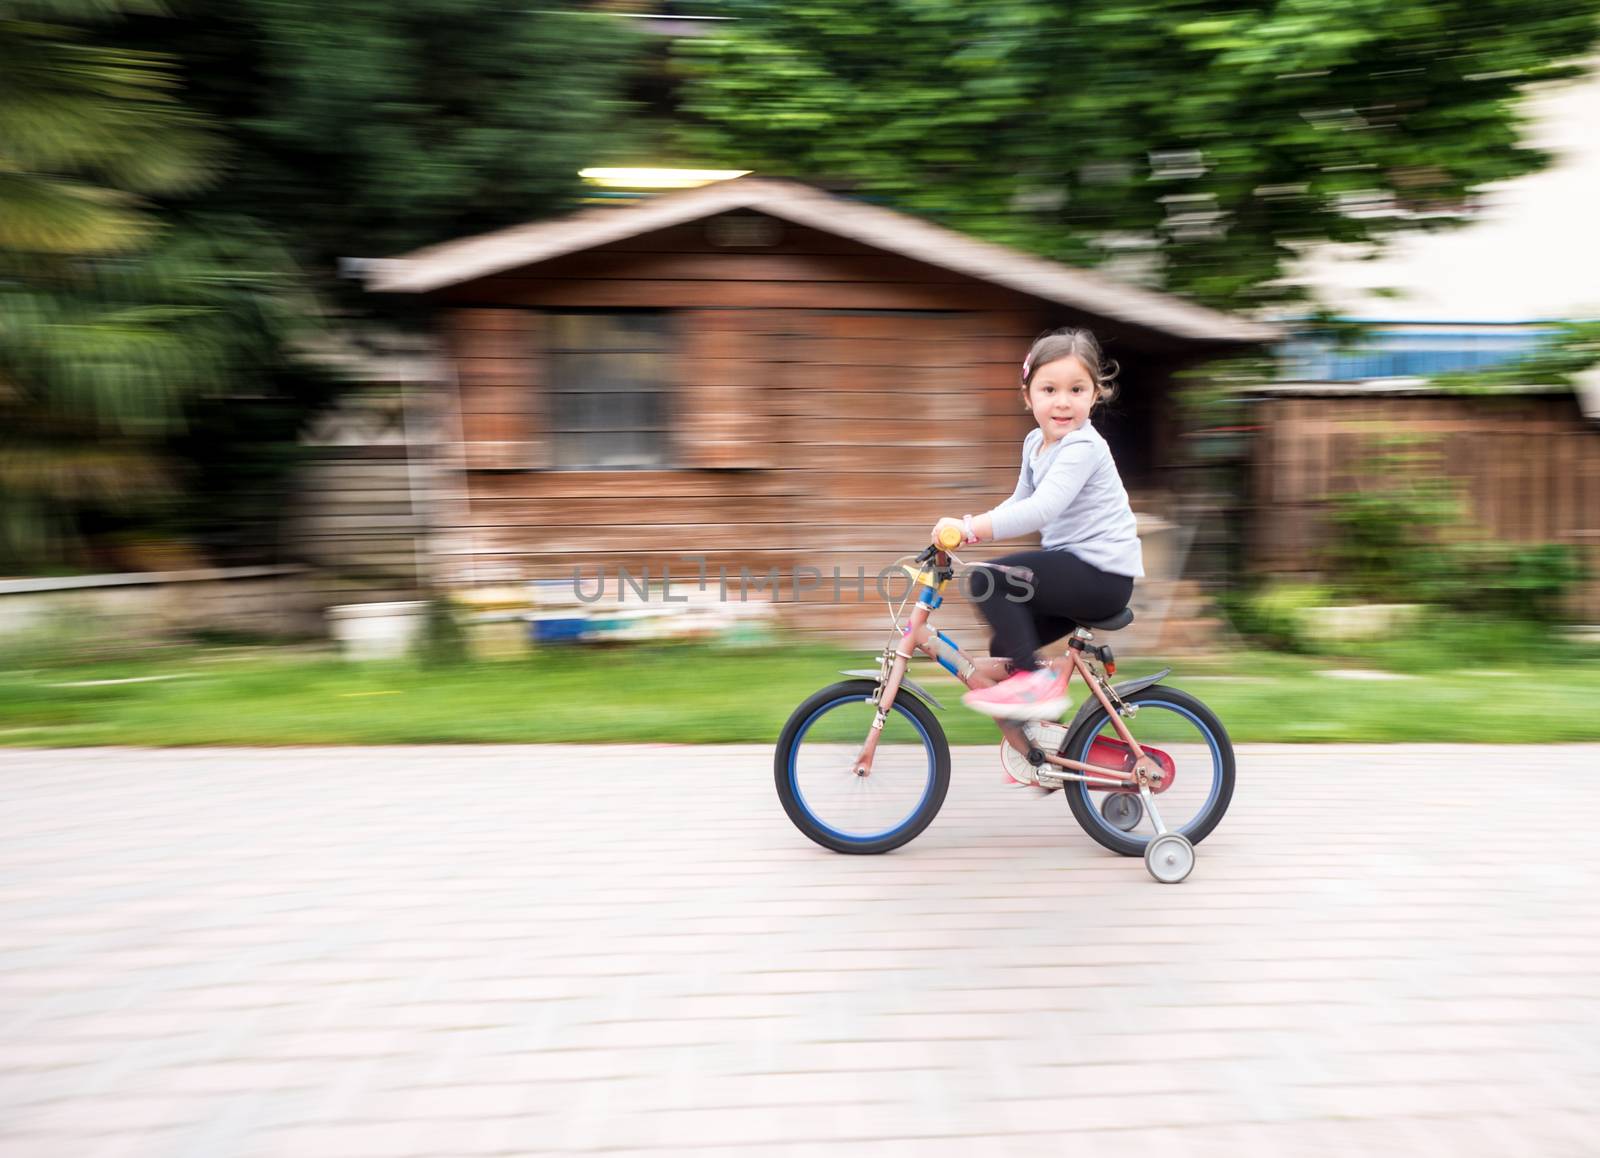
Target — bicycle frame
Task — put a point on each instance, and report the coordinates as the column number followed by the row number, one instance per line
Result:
column 917, row 635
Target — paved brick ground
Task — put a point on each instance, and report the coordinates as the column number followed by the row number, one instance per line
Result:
column 465, row 951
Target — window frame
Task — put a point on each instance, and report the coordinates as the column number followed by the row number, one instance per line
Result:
column 666, row 348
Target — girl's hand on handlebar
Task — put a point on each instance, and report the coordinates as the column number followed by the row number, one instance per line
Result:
column 948, row 533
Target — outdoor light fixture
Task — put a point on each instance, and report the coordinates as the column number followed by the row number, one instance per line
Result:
column 657, row 178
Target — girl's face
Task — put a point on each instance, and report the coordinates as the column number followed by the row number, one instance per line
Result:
column 1061, row 396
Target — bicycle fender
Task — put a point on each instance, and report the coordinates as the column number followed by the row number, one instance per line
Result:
column 1125, row 689
column 906, row 684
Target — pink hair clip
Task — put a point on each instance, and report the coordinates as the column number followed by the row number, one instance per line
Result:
column 1025, row 371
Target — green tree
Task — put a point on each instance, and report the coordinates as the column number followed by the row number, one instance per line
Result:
column 87, row 132
column 103, row 330
column 1206, row 141
column 175, row 186
column 367, row 127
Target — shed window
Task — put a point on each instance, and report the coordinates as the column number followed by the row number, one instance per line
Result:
column 609, row 383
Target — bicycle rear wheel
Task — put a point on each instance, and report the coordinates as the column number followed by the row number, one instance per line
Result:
column 1182, row 729
column 855, row 814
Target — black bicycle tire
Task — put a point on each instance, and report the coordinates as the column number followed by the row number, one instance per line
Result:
column 919, row 821
column 1080, row 804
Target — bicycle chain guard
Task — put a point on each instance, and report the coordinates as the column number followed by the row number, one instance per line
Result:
column 1113, row 753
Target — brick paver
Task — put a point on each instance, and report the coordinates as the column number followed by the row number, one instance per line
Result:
column 475, row 951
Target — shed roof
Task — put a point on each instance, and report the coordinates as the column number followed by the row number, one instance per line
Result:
column 453, row 262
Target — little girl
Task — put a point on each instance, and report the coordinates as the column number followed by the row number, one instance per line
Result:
column 1069, row 489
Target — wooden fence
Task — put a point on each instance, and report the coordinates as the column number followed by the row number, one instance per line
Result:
column 1528, row 469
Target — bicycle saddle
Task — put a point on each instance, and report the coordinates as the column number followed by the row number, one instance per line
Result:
column 1118, row 621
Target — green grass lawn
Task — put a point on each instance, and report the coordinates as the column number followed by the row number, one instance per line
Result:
column 699, row 694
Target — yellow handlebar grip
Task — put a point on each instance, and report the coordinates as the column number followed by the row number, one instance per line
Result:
column 949, row 539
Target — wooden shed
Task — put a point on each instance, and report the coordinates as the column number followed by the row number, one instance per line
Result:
column 766, row 376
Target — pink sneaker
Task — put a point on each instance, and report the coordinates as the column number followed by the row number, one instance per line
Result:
column 1028, row 695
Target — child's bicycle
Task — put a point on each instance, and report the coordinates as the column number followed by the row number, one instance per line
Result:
column 863, row 767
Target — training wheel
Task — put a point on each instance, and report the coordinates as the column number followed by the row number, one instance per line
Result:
column 1123, row 811
column 1169, row 858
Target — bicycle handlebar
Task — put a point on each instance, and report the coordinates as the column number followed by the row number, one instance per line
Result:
column 949, row 539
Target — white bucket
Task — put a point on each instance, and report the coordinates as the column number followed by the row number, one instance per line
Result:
column 376, row 630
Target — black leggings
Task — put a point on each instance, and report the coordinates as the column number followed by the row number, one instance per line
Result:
column 1066, row 591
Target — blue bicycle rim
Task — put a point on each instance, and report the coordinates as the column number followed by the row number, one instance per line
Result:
column 1216, row 773
column 854, row 837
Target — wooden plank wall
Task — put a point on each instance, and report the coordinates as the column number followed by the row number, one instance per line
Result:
column 1529, row 468
column 831, row 402
column 356, row 521
column 847, row 449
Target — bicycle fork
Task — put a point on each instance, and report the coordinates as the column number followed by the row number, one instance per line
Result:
column 889, row 687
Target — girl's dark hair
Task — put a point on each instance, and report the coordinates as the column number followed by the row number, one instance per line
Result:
column 1080, row 344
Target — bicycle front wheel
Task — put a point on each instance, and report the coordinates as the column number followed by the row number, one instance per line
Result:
column 1186, row 737
column 861, row 814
